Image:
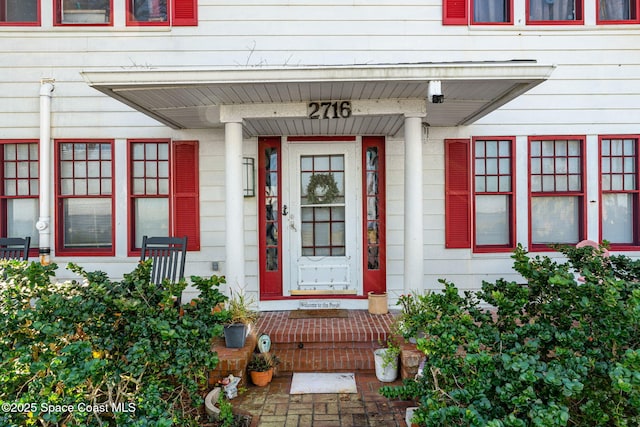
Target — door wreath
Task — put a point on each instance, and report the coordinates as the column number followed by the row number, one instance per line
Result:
column 322, row 188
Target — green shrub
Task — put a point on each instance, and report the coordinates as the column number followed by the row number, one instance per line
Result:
column 96, row 352
column 561, row 349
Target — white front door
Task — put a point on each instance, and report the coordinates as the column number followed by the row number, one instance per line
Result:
column 321, row 228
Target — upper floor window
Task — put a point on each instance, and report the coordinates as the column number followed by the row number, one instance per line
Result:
column 148, row 11
column 554, row 12
column 556, row 190
column 618, row 11
column 84, row 198
column 19, row 12
column 492, row 12
column 83, row 12
column 620, row 190
column 19, row 190
column 162, row 12
column 100, row 12
column 455, row 12
column 493, row 194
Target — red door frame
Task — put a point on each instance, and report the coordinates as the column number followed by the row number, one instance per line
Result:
column 374, row 280
column 270, row 280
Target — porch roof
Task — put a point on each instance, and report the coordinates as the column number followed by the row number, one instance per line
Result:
column 192, row 98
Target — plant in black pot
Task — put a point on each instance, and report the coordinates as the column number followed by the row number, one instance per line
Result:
column 261, row 368
column 240, row 317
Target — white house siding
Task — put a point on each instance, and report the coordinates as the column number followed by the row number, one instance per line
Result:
column 594, row 90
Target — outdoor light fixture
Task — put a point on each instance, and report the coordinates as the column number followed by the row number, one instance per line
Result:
column 434, row 92
column 249, row 176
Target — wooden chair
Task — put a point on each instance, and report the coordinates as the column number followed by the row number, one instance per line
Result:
column 15, row 248
column 168, row 255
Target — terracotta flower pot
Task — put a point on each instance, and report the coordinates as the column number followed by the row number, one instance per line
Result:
column 261, row 379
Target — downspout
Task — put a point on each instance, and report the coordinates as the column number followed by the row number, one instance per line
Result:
column 44, row 221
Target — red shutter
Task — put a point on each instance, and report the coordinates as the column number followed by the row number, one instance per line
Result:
column 454, row 12
column 457, row 194
column 185, row 12
column 186, row 199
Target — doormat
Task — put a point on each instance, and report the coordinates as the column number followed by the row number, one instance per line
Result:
column 319, row 313
column 315, row 383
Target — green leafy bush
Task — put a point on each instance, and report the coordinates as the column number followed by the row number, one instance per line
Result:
column 97, row 352
column 561, row 349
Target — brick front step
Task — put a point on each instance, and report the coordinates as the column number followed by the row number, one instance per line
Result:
column 323, row 360
column 360, row 326
column 325, row 344
column 317, row 345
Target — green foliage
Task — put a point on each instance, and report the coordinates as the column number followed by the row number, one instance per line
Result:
column 239, row 309
column 98, row 353
column 391, row 352
column 561, row 349
column 226, row 414
column 262, row 362
column 414, row 312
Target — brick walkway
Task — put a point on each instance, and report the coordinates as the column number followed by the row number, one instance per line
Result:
column 273, row 406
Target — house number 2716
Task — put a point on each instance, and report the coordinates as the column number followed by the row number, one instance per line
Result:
column 329, row 110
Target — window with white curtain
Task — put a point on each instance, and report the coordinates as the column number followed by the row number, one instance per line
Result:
column 149, row 175
column 491, row 11
column 493, row 193
column 560, row 11
column 556, row 190
column 619, row 185
column 19, row 207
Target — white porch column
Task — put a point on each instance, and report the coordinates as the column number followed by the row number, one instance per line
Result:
column 234, row 211
column 44, row 221
column 413, row 199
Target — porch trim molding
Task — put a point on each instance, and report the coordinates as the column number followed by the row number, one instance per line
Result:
column 362, row 107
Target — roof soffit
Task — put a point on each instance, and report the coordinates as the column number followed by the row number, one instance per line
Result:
column 193, row 98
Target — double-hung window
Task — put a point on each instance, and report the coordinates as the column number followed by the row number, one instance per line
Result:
column 557, row 194
column 619, row 187
column 162, row 12
column 493, row 194
column 480, row 194
column 19, row 12
column 83, row 12
column 494, row 12
column 544, row 12
column 149, row 189
column 618, row 11
column 163, row 191
column 19, row 190
column 84, row 197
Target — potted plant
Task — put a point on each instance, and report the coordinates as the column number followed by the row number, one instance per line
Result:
column 240, row 316
column 386, row 361
column 261, row 367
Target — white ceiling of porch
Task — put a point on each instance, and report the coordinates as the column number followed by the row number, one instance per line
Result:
column 190, row 99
